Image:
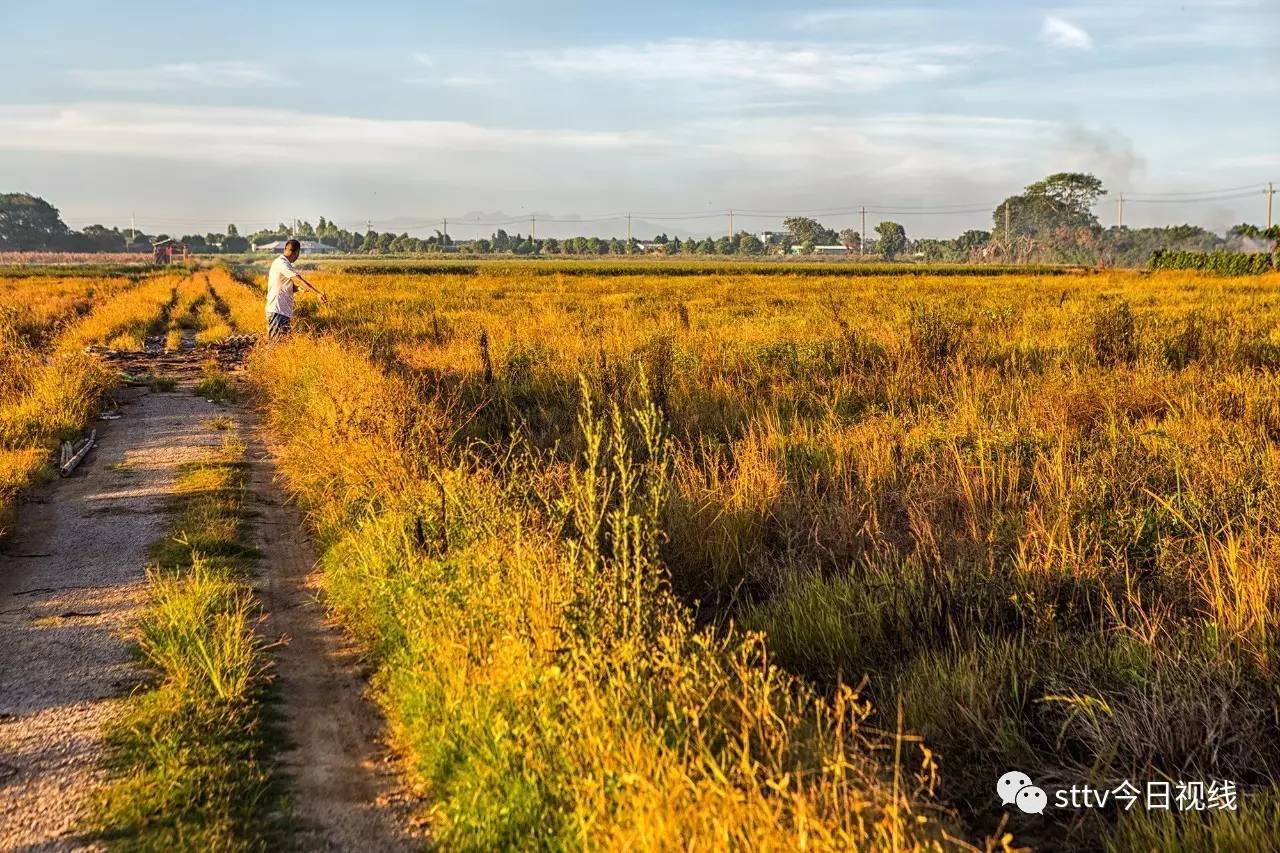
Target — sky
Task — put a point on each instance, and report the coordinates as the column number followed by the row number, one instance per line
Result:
column 399, row 114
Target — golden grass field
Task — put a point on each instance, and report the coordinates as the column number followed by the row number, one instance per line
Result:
column 1037, row 513
column 49, row 386
column 781, row 562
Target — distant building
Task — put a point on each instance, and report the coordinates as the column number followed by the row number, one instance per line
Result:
column 823, row 250
column 309, row 247
column 768, row 237
column 164, row 251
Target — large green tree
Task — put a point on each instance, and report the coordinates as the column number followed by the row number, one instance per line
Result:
column 99, row 238
column 972, row 239
column 851, row 240
column 806, row 230
column 893, row 239
column 29, row 223
column 1062, row 200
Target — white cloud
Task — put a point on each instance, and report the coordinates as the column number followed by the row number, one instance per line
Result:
column 466, row 81
column 861, row 16
column 808, row 147
column 1250, row 161
column 1062, row 33
column 107, row 153
column 762, row 63
column 452, row 81
column 242, row 135
column 423, row 59
column 1223, row 30
column 1111, row 89
column 830, row 150
column 180, row 75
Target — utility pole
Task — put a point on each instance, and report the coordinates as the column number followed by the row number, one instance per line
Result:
column 133, row 232
column 628, row 229
column 1120, row 211
column 1271, row 192
column 533, row 226
column 731, row 223
column 863, row 233
column 1006, row 223
column 446, row 232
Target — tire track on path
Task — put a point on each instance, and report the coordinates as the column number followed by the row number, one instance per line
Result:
column 345, row 795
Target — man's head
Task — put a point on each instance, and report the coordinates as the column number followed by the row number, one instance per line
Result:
column 292, row 248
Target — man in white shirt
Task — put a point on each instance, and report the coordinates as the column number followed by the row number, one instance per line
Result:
column 282, row 284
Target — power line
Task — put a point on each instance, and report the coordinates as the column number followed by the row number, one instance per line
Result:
column 935, row 212
column 1226, row 197
column 1183, row 197
column 958, row 208
column 1196, row 192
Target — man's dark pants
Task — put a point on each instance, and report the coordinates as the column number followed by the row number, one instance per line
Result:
column 278, row 325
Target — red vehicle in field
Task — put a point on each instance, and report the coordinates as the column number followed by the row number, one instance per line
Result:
column 164, row 251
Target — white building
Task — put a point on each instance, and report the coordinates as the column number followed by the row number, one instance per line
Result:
column 823, row 250
column 309, row 247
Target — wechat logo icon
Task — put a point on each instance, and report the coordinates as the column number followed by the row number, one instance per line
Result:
column 1015, row 788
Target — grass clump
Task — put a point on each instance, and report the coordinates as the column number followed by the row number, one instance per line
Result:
column 221, row 423
column 938, row 336
column 216, row 384
column 125, row 321
column 189, row 758
column 161, row 384
column 46, row 397
column 539, row 677
column 1114, row 336
column 1222, row 831
column 237, row 302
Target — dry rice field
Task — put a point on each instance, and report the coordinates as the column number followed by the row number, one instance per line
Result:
column 733, row 560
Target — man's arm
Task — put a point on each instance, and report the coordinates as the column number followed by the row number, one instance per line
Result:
column 311, row 287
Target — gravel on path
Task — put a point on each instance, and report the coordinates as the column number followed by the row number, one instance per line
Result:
column 72, row 584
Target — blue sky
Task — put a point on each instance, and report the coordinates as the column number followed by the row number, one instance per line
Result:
column 403, row 113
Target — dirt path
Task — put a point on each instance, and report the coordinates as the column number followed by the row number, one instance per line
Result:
column 71, row 585
column 344, row 791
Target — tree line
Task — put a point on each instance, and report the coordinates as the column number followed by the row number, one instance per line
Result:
column 1050, row 221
